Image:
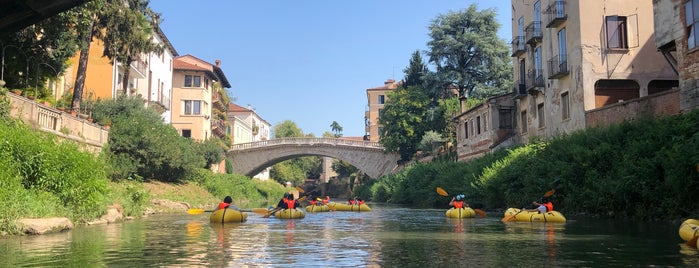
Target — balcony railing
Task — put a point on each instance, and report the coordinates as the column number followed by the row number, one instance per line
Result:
column 140, row 67
column 558, row 66
column 556, row 14
column 533, row 32
column 520, row 88
column 218, row 127
column 518, row 47
column 535, row 80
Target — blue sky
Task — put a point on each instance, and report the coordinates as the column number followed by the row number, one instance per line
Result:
column 309, row 61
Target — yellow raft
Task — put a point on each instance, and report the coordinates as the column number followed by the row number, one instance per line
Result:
column 290, row 214
column 460, row 213
column 535, row 216
column 317, row 208
column 689, row 231
column 346, row 207
column 227, row 215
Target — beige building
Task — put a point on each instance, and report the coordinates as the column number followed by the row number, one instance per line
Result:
column 376, row 98
column 248, row 126
column 486, row 127
column 572, row 58
column 192, row 95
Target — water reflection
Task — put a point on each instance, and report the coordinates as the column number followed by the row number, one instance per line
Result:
column 384, row 237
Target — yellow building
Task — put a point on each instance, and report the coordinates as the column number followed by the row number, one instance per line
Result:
column 376, row 98
column 192, row 86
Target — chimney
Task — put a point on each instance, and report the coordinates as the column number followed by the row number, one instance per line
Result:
column 249, row 107
column 218, row 63
column 389, row 82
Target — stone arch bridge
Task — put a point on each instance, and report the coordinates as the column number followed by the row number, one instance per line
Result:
column 369, row 157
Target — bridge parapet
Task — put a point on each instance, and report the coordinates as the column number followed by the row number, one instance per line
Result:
column 305, row 141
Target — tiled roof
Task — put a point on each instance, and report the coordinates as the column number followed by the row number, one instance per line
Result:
column 181, row 65
column 232, row 107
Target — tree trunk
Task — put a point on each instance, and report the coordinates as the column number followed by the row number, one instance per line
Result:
column 125, row 79
column 82, row 72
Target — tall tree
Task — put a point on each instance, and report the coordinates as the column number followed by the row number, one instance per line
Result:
column 416, row 70
column 87, row 28
column 287, row 129
column 129, row 26
column 468, row 54
column 405, row 119
column 336, row 128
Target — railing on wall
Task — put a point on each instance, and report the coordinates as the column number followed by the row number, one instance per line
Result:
column 306, row 141
column 60, row 123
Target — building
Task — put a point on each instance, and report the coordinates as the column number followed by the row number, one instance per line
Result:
column 575, row 61
column 486, row 127
column 159, row 77
column 248, row 126
column 376, row 98
column 192, row 95
column 678, row 39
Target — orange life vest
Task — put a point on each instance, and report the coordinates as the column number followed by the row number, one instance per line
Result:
column 458, row 204
column 326, row 200
column 313, row 202
column 222, row 205
column 351, row 202
column 290, row 203
column 549, row 206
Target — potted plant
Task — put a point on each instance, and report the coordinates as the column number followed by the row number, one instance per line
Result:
column 17, row 92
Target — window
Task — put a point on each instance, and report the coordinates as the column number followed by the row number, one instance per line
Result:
column 466, row 130
column 485, row 122
column 562, row 50
column 382, row 99
column 616, row 32
column 540, row 113
column 192, row 107
column 478, row 125
column 187, row 133
column 520, row 26
column 691, row 18
column 380, row 112
column 470, row 127
column 524, row 122
column 505, row 119
column 565, row 106
column 537, row 11
column 192, row 81
column 538, row 69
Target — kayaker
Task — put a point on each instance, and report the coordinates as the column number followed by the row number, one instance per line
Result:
column 544, row 205
column 358, row 201
column 312, row 200
column 326, row 200
column 227, row 203
column 458, row 201
column 288, row 202
column 351, row 201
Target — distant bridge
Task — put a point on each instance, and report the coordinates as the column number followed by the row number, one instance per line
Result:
column 369, row 157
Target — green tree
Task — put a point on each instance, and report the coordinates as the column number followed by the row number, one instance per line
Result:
column 405, row 119
column 337, row 129
column 468, row 54
column 287, row 129
column 86, row 28
column 415, row 72
column 298, row 169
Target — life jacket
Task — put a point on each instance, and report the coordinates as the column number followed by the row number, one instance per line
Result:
column 326, row 200
column 361, row 202
column 223, row 205
column 458, row 204
column 549, row 206
column 351, row 201
column 313, row 202
column 290, row 203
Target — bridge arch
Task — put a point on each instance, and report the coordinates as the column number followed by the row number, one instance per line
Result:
column 369, row 157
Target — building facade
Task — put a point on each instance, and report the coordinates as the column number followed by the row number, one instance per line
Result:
column 248, row 126
column 486, row 127
column 376, row 99
column 574, row 57
column 193, row 86
column 158, row 92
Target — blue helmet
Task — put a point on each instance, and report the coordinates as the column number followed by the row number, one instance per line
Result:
column 460, row 197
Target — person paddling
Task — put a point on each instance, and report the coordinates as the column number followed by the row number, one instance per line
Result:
column 544, row 205
column 288, row 202
column 458, row 201
column 226, row 203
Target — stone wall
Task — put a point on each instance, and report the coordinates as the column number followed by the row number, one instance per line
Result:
column 660, row 104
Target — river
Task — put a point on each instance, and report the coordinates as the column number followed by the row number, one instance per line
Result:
column 388, row 236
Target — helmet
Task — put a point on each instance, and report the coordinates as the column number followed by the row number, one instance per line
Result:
column 228, row 199
column 460, row 197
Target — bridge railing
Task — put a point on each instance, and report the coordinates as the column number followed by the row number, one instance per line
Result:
column 305, row 141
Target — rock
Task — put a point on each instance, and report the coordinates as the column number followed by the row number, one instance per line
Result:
column 44, row 225
column 170, row 205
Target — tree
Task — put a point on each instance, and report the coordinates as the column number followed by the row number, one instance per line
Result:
column 287, row 129
column 415, row 72
column 298, row 169
column 468, row 54
column 337, row 129
column 405, row 119
column 87, row 28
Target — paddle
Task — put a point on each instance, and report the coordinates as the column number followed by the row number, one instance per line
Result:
column 271, row 212
column 442, row 192
column 512, row 217
column 195, row 211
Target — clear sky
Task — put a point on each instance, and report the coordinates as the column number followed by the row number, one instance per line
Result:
column 309, row 61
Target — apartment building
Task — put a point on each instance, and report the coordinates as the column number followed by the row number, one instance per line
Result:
column 574, row 58
column 376, row 99
column 248, row 126
column 192, row 90
column 677, row 37
column 158, row 91
column 486, row 127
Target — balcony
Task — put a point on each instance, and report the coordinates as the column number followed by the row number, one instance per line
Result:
column 535, row 81
column 218, row 127
column 520, row 88
column 217, row 100
column 558, row 66
column 139, row 69
column 556, row 14
column 533, row 33
column 518, row 47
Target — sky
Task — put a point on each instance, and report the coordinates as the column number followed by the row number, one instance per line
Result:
column 309, row 61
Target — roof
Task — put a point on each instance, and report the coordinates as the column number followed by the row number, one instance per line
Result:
column 213, row 70
column 18, row 14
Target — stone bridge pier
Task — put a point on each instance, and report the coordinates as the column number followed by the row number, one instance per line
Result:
column 369, row 157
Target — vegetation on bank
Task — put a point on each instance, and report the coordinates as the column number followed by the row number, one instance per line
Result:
column 644, row 169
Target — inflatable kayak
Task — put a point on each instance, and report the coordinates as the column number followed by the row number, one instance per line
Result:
column 460, row 213
column 227, row 215
column 317, row 208
column 290, row 214
column 347, row 207
column 534, row 216
column 689, row 231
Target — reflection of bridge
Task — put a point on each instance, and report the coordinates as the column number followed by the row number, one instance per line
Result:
column 369, row 157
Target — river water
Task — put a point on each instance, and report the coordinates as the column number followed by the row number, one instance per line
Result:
column 388, row 236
